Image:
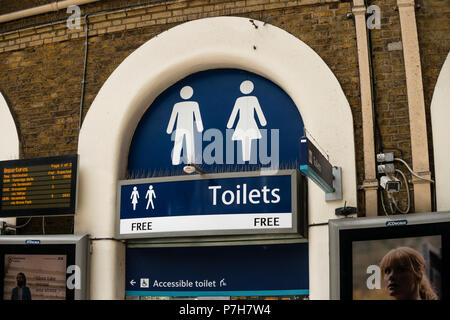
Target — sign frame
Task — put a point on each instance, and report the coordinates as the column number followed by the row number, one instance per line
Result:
column 298, row 204
column 50, row 211
column 344, row 232
column 76, row 245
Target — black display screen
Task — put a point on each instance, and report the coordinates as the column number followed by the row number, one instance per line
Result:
column 398, row 263
column 38, row 187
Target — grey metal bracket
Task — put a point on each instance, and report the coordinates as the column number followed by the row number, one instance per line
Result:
column 337, row 186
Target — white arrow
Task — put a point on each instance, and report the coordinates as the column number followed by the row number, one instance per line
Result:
column 132, row 282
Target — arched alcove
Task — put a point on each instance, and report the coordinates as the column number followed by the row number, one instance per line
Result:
column 223, row 42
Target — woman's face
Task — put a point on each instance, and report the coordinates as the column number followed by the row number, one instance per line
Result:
column 400, row 283
column 20, row 280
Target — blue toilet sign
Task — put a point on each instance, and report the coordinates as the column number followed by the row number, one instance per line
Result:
column 211, row 204
column 242, row 133
column 222, row 120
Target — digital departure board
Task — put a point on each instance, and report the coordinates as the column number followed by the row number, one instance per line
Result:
column 38, row 187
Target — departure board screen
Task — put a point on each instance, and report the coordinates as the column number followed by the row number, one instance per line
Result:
column 38, row 187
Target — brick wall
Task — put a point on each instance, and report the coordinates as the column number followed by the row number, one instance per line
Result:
column 7, row 6
column 391, row 103
column 41, row 66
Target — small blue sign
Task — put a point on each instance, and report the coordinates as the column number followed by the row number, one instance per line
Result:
column 208, row 203
column 255, row 270
column 314, row 165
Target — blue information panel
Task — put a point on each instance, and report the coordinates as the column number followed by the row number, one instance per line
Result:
column 255, row 270
column 231, row 203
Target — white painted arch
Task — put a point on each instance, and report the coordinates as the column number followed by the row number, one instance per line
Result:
column 9, row 138
column 222, row 42
column 440, row 116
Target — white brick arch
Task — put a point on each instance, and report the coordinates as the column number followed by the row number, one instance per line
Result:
column 440, row 116
column 222, row 42
column 9, row 138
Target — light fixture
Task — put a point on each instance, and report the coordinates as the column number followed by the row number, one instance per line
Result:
column 191, row 168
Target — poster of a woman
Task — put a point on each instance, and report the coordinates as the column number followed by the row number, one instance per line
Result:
column 397, row 269
column 403, row 271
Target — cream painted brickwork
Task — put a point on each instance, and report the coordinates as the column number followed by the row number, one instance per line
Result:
column 440, row 113
column 9, row 142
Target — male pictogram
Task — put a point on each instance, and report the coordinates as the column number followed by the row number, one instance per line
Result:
column 150, row 195
column 185, row 113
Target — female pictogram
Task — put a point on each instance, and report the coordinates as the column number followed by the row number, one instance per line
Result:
column 246, row 129
column 134, row 197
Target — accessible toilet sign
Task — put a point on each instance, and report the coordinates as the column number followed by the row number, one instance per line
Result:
column 236, row 270
column 209, row 204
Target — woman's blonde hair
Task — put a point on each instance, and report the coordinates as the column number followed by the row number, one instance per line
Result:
column 413, row 261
